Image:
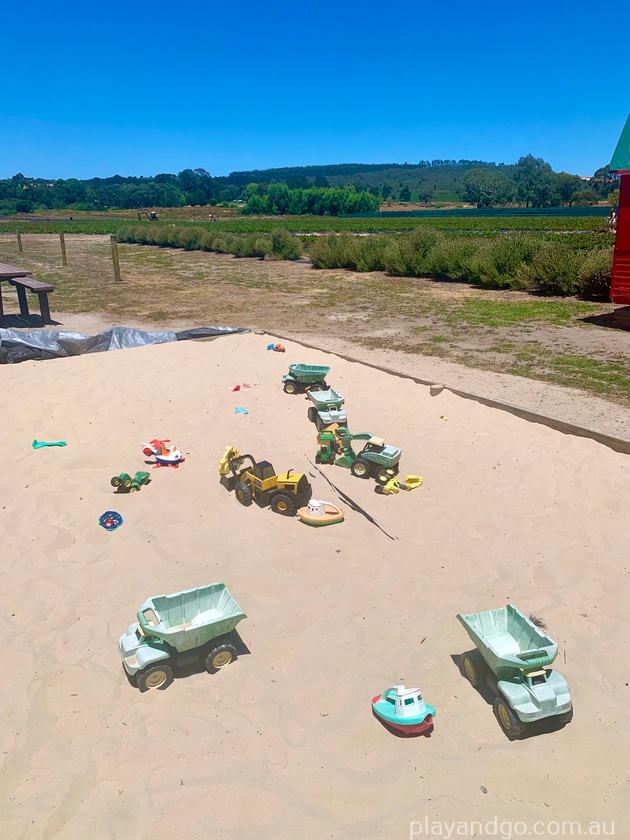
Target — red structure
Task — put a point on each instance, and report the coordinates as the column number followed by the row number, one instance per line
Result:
column 620, row 164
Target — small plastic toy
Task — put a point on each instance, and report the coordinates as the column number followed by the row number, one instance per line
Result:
column 277, row 347
column 39, row 444
column 375, row 460
column 110, row 520
column 319, row 513
column 124, row 483
column 259, row 483
column 179, row 629
column 404, row 710
column 326, row 409
column 302, row 378
column 394, row 485
column 512, row 656
column 240, row 410
column 166, row 456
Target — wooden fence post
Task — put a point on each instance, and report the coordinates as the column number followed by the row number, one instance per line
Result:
column 19, row 240
column 117, row 276
column 62, row 242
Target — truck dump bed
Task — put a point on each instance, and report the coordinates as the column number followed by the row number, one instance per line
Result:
column 190, row 618
column 309, row 373
column 509, row 641
column 326, row 399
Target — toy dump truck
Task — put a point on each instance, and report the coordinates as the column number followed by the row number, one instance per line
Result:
column 124, row 483
column 326, row 409
column 513, row 656
column 302, row 378
column 258, row 482
column 375, row 460
column 179, row 629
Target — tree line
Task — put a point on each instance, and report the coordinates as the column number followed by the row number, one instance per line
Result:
column 301, row 190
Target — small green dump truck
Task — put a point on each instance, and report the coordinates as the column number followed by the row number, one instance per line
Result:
column 302, row 378
column 512, row 655
column 179, row 629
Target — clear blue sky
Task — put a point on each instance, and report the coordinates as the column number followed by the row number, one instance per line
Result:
column 96, row 89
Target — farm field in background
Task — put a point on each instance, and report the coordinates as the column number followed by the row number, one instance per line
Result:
column 549, row 339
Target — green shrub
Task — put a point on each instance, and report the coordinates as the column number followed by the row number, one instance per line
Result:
column 595, row 274
column 186, row 237
column 498, row 261
column 125, row 234
column 407, row 256
column 454, row 259
column 333, row 251
column 284, row 246
column 554, row 270
column 368, row 252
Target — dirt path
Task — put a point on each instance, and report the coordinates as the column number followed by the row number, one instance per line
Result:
column 504, row 344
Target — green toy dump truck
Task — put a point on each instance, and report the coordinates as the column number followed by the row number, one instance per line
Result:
column 327, row 409
column 124, row 483
column 302, row 378
column 179, row 629
column 513, row 656
column 375, row 460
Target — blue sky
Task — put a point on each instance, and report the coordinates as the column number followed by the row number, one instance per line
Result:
column 95, row 89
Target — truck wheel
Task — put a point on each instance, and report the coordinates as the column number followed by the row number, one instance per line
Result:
column 510, row 724
column 290, row 387
column 134, row 488
column 127, row 483
column 318, row 458
column 283, row 504
column 474, row 668
column 317, row 386
column 115, row 482
column 566, row 717
column 383, row 475
column 219, row 657
column 243, row 493
column 158, row 676
column 360, row 468
column 312, row 414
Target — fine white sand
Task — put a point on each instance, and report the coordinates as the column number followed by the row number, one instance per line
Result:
column 283, row 744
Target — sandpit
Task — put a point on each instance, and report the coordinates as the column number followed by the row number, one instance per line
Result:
column 283, row 744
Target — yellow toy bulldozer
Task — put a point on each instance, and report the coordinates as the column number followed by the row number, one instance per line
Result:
column 259, row 483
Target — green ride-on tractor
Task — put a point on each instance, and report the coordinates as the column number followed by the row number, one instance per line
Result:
column 375, row 460
column 124, row 483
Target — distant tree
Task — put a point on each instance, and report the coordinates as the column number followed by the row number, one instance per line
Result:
column 425, row 195
column 386, row 191
column 298, row 182
column 188, row 181
column 485, row 188
column 531, row 178
column 320, row 181
column 613, row 197
column 405, row 194
column 566, row 185
column 585, row 197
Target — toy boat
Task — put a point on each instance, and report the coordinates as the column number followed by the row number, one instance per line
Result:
column 403, row 709
column 320, row 513
column 166, row 456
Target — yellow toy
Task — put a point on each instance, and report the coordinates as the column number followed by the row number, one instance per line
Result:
column 393, row 485
column 224, row 464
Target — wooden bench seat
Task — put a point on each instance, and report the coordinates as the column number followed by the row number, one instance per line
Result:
column 39, row 288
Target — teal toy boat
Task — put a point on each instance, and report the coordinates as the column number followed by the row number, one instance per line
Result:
column 404, row 710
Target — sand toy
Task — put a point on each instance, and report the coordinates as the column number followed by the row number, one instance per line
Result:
column 165, row 456
column 320, row 513
column 258, row 482
column 277, row 347
column 302, row 378
column 124, row 483
column 179, row 629
column 513, row 656
column 326, row 409
column 404, row 710
column 110, row 520
column 40, row 444
column 392, row 485
column 375, row 460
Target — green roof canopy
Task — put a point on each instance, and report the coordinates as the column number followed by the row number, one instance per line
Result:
column 621, row 159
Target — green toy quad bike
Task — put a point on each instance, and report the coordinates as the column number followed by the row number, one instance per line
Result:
column 124, row 483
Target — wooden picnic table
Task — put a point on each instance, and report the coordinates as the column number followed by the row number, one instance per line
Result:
column 21, row 279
